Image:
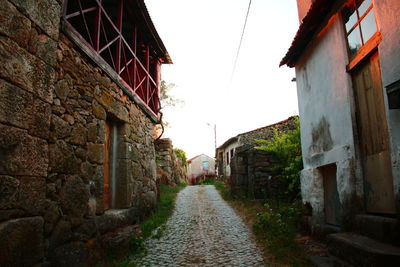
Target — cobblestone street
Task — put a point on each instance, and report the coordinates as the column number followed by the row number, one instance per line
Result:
column 203, row 231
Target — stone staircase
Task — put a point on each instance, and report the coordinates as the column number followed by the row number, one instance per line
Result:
column 375, row 241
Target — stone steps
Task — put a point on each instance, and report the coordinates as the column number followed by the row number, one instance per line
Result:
column 378, row 227
column 361, row 251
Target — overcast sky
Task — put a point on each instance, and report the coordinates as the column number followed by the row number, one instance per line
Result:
column 202, row 37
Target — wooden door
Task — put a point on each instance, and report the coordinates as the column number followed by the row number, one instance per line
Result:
column 106, row 167
column 332, row 206
column 373, row 137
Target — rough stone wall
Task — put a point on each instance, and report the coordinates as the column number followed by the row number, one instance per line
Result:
column 54, row 106
column 253, row 175
column 252, row 170
column 171, row 170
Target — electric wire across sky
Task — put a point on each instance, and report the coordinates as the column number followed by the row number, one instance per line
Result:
column 240, row 45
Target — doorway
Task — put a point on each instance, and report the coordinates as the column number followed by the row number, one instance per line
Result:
column 332, row 205
column 373, row 136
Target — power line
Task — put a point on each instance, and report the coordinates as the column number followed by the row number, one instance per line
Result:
column 240, row 44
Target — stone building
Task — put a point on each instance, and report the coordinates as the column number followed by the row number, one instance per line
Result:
column 253, row 175
column 253, row 172
column 79, row 83
column 347, row 60
column 226, row 151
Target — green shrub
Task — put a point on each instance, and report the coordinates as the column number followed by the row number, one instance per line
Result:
column 278, row 224
column 287, row 148
column 180, row 154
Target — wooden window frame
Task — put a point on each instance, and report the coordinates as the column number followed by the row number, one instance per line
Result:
column 367, row 47
column 370, row 46
column 359, row 19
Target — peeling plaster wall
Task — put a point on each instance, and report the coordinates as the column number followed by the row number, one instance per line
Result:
column 227, row 167
column 389, row 53
column 326, row 115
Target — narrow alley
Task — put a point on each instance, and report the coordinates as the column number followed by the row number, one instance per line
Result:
column 123, row 122
column 203, row 231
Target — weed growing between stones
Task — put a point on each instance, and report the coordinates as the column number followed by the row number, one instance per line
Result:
column 136, row 245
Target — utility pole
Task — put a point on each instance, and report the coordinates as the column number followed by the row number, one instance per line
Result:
column 215, row 136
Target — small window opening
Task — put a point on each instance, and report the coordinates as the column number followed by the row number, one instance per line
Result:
column 206, row 165
column 393, row 92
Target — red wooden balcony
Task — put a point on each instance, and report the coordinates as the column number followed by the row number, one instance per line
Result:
column 121, row 33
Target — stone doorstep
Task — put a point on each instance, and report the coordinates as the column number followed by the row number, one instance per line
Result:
column 378, row 227
column 363, row 251
column 321, row 231
column 328, row 261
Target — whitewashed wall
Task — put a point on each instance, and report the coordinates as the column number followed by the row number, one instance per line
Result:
column 326, row 114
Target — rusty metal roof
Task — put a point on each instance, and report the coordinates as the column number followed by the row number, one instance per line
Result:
column 311, row 23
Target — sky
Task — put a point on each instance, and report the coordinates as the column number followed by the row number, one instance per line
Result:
column 202, row 38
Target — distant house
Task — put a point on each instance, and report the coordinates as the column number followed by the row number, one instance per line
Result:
column 201, row 165
column 226, row 151
column 347, row 60
column 224, row 155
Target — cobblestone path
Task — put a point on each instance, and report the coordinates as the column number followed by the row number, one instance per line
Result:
column 203, row 231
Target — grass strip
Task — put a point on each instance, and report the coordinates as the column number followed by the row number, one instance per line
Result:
column 163, row 211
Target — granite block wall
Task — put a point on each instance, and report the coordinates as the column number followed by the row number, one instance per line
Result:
column 56, row 105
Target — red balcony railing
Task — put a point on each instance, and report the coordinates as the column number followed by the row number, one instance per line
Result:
column 112, row 30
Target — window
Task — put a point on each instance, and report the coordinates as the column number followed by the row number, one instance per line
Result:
column 359, row 18
column 227, row 158
column 393, row 92
column 114, row 31
column 232, row 151
column 206, row 166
